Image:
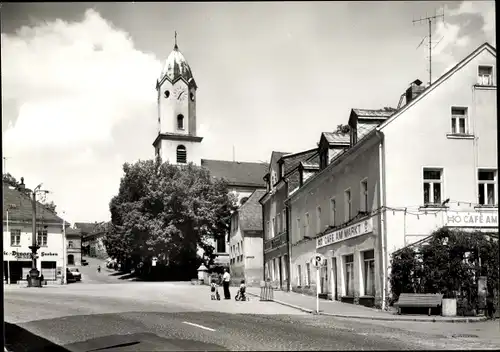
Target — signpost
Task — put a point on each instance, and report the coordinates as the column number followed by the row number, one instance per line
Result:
column 318, row 261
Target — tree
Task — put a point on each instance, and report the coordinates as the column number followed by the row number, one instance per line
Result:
column 343, row 129
column 168, row 211
column 10, row 180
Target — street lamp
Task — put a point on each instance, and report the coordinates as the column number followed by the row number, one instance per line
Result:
column 63, row 274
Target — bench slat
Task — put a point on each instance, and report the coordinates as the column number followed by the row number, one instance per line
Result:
column 419, row 300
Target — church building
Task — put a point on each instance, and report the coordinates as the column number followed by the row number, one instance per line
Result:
column 177, row 140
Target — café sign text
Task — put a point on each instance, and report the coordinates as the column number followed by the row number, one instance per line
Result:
column 472, row 219
column 358, row 229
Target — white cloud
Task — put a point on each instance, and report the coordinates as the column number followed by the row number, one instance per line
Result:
column 69, row 85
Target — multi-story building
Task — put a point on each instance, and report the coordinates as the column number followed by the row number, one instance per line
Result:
column 17, row 237
column 282, row 179
column 246, row 240
column 178, row 141
column 73, row 247
column 93, row 238
column 430, row 163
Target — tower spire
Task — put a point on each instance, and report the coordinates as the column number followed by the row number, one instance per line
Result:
column 175, row 38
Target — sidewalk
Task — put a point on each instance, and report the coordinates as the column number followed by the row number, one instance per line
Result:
column 346, row 310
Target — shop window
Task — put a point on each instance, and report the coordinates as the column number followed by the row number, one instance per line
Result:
column 432, row 186
column 299, row 275
column 308, row 274
column 181, row 155
column 42, row 238
column 458, row 120
column 15, row 238
column 369, row 273
column 349, row 275
column 487, row 185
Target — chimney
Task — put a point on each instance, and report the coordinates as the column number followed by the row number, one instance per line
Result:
column 414, row 90
column 21, row 186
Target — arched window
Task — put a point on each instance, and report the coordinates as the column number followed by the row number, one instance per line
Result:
column 181, row 154
column 180, row 122
column 71, row 259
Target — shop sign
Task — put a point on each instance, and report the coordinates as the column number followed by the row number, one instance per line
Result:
column 358, row 229
column 48, row 254
column 27, row 255
column 471, row 219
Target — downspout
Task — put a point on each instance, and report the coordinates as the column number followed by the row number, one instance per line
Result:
column 383, row 224
column 288, row 244
column 263, row 243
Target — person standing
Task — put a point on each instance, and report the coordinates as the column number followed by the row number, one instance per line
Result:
column 226, row 278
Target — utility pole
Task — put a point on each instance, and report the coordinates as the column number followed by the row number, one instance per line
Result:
column 429, row 20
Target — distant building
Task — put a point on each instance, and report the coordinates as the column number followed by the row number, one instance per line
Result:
column 177, row 140
column 93, row 235
column 17, row 238
column 245, row 241
column 73, row 247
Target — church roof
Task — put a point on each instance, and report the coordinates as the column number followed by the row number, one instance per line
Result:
column 237, row 173
column 177, row 67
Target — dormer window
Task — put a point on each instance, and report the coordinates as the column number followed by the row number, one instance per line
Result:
column 485, row 75
column 180, row 122
column 324, row 159
column 181, row 155
column 353, row 135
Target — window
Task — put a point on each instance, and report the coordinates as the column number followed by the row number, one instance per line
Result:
column 221, row 245
column 308, row 274
column 485, row 74
column 299, row 275
column 324, row 159
column 369, row 273
column 306, row 225
column 283, row 221
column 458, row 120
column 364, row 195
column 268, row 228
column 157, row 151
column 15, row 238
column 279, row 222
column 298, row 230
column 181, row 154
column 318, row 219
column 347, row 204
column 349, row 275
column 180, row 122
column 70, row 244
column 487, row 184
column 432, row 186
column 333, row 211
column 42, row 238
column 273, row 229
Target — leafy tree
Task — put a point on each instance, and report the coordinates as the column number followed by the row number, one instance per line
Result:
column 343, row 129
column 167, row 211
column 51, row 206
column 10, row 180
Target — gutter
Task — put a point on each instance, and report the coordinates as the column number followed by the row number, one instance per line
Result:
column 383, row 223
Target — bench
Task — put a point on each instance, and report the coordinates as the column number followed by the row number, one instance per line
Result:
column 419, row 300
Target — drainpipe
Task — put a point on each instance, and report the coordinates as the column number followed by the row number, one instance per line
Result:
column 383, row 225
column 288, row 244
column 263, row 244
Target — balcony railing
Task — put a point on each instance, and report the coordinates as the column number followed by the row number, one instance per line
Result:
column 275, row 242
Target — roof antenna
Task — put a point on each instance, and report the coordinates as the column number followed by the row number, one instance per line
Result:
column 175, row 38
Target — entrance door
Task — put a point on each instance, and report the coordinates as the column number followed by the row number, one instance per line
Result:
column 280, row 272
column 334, row 278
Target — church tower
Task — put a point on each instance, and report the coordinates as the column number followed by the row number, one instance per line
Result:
column 177, row 141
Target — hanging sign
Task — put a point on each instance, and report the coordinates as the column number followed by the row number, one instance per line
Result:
column 358, row 229
column 471, row 219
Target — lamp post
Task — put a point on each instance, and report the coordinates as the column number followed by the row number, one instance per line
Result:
column 34, row 273
column 63, row 274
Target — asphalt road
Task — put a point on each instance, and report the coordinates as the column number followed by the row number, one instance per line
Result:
column 120, row 315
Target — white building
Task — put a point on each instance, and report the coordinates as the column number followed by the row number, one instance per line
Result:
column 17, row 238
column 429, row 164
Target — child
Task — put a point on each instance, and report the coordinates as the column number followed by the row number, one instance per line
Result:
column 215, row 293
column 242, row 290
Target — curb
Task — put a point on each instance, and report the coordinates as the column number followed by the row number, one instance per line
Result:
column 415, row 319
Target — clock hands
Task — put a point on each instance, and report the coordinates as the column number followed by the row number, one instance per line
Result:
column 180, row 94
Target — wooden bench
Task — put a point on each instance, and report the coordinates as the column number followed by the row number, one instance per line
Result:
column 419, row 300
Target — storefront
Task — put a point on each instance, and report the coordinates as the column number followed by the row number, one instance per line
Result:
column 17, row 265
column 352, row 273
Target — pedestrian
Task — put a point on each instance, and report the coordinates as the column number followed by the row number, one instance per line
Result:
column 226, row 278
column 99, row 269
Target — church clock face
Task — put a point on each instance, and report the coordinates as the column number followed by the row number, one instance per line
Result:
column 180, row 93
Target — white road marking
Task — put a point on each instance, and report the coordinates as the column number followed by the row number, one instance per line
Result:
column 198, row 326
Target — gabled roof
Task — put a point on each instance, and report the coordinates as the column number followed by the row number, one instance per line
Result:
column 250, row 213
column 237, row 173
column 20, row 208
column 292, row 161
column 443, row 78
column 73, row 232
column 85, row 227
column 336, row 138
column 275, row 157
column 378, row 113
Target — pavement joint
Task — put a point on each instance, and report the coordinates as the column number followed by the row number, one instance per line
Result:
column 406, row 319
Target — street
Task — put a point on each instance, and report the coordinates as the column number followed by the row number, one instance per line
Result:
column 104, row 311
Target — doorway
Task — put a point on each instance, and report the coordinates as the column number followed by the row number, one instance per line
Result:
column 71, row 259
column 334, row 279
column 323, row 280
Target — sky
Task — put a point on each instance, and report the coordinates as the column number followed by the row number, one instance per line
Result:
column 78, row 79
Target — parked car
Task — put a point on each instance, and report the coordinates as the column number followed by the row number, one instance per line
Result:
column 69, row 276
column 85, row 262
column 76, row 273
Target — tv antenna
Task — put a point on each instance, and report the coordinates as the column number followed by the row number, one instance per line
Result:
column 429, row 20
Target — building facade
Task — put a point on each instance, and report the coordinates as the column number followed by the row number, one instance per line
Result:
column 246, row 241
column 17, row 238
column 282, row 178
column 177, row 140
column 93, row 235
column 73, row 247
column 407, row 172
